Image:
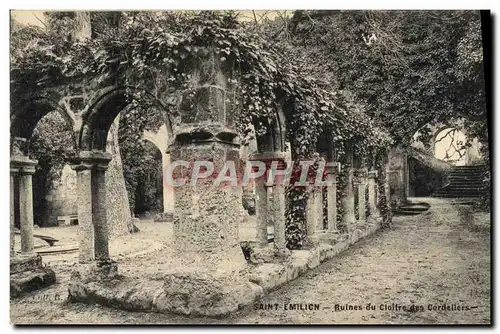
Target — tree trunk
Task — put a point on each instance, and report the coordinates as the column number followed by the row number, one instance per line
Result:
column 118, row 209
column 82, row 28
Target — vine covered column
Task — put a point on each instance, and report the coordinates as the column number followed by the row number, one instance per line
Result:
column 332, row 197
column 372, row 194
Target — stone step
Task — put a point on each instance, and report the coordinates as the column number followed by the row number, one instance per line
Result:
column 455, row 195
column 460, row 187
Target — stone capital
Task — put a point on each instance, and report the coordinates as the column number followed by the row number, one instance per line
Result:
column 333, row 167
column 269, row 156
column 19, row 147
column 23, row 165
column 87, row 160
column 372, row 174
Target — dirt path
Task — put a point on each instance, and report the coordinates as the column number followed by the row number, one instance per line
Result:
column 432, row 259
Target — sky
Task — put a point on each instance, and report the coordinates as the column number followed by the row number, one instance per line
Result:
column 36, row 17
column 31, row 17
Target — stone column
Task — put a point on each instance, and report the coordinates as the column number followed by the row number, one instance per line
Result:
column 20, row 162
column 332, row 198
column 13, row 172
column 372, row 194
column 26, row 208
column 91, row 200
column 397, row 176
column 168, row 191
column 99, row 218
column 261, row 212
column 347, row 201
column 314, row 217
column 85, row 226
column 278, row 208
column 361, row 196
column 207, row 213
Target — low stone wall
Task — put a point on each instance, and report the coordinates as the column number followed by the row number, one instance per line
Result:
column 182, row 294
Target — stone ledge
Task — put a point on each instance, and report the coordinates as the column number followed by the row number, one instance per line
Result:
column 195, row 292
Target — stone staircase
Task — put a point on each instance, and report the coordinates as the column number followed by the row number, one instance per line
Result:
column 463, row 181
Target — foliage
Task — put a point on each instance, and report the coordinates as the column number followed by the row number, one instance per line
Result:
column 408, row 68
column 160, row 56
column 141, row 160
column 48, row 145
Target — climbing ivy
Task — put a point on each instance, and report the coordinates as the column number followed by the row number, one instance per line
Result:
column 157, row 53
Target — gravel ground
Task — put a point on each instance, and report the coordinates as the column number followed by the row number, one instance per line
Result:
column 437, row 263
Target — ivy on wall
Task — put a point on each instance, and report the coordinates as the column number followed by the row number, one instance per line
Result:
column 159, row 53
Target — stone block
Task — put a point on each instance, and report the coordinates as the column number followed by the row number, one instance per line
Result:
column 30, row 280
column 22, row 263
column 269, row 276
column 200, row 293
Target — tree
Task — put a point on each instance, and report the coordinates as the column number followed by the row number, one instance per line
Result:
column 409, row 68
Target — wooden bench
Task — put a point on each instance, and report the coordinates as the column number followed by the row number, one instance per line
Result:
column 51, row 241
column 67, row 220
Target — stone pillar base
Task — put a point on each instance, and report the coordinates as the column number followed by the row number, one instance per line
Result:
column 330, row 237
column 28, row 274
column 268, row 254
column 312, row 242
column 371, row 219
column 94, row 272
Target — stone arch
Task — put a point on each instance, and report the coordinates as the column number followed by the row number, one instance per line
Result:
column 472, row 155
column 161, row 139
column 24, row 117
column 274, row 140
column 26, row 114
column 101, row 114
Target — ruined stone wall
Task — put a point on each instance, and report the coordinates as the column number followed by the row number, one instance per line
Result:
column 61, row 199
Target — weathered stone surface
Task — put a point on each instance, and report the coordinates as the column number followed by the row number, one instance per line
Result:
column 94, row 272
column 269, row 254
column 120, row 293
column 330, row 237
column 195, row 292
column 269, row 276
column 206, row 213
column 30, row 280
column 23, row 263
column 200, row 293
column 347, row 200
column 184, row 292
